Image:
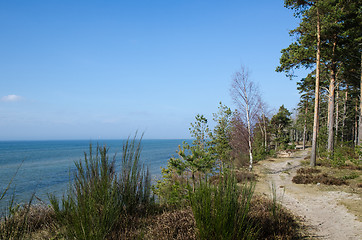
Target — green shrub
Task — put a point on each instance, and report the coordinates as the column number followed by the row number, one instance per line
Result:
column 92, row 205
column 221, row 212
column 98, row 201
column 342, row 154
column 338, row 158
column 272, row 153
column 292, row 146
column 357, row 160
column 172, row 189
column 352, row 175
column 134, row 181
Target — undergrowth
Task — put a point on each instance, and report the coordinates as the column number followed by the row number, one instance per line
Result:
column 14, row 218
column 221, row 211
column 102, row 203
column 99, row 202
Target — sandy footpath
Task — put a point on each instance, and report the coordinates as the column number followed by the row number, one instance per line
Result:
column 324, row 217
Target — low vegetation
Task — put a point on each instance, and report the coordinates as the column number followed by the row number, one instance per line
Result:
column 347, row 174
column 103, row 203
column 207, row 192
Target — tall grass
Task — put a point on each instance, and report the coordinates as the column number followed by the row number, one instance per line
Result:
column 134, row 181
column 13, row 220
column 221, row 212
column 14, row 223
column 99, row 201
column 275, row 206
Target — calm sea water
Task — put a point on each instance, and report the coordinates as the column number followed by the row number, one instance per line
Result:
column 46, row 166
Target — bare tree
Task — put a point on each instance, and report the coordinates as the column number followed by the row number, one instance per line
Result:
column 238, row 139
column 246, row 96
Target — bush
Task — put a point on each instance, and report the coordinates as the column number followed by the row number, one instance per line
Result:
column 172, row 189
column 221, row 212
column 342, row 155
column 98, row 201
column 338, row 158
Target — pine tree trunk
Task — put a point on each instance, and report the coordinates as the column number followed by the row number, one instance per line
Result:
column 305, row 126
column 316, row 101
column 337, row 116
column 344, row 114
column 332, row 82
column 360, row 110
column 331, row 112
column 355, row 137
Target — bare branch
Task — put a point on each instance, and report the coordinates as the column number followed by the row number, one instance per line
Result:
column 246, row 96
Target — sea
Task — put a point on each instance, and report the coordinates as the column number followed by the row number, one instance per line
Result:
column 41, row 168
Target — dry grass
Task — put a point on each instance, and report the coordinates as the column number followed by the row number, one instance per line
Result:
column 242, row 176
column 282, row 225
column 320, row 178
column 178, row 224
column 354, row 206
column 40, row 217
column 175, row 224
column 39, row 221
column 308, row 170
column 329, row 176
column 350, row 167
column 245, row 176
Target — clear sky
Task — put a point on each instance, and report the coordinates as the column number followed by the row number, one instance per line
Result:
column 104, row 69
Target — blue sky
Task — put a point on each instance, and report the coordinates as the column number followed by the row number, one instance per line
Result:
column 104, row 69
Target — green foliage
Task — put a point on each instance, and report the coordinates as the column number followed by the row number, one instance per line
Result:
column 272, row 153
column 291, row 146
column 322, row 141
column 172, row 189
column 221, row 212
column 352, row 175
column 259, row 150
column 340, row 52
column 98, row 201
column 193, row 162
column 338, row 158
column 92, row 206
column 221, row 136
column 275, row 207
column 358, row 159
column 134, row 181
column 199, row 131
column 342, row 156
column 280, row 123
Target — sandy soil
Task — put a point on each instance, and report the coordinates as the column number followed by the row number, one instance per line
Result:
column 320, row 210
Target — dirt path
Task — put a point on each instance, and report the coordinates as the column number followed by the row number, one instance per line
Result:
column 325, row 218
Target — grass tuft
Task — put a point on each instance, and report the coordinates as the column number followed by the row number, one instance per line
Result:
column 221, row 211
column 98, row 201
